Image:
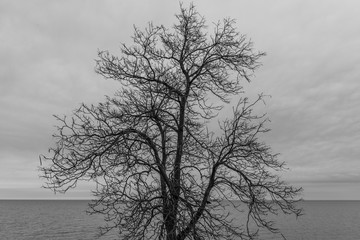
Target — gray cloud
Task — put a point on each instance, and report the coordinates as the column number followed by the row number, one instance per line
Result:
column 47, row 57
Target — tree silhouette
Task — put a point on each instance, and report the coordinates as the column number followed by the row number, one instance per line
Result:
column 160, row 172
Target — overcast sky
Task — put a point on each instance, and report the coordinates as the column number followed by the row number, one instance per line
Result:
column 312, row 72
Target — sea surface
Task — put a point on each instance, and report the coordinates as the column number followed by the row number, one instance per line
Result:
column 67, row 219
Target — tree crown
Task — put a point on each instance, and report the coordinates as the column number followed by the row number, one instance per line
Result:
column 155, row 162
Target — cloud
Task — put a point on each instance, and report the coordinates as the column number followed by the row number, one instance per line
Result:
column 47, row 63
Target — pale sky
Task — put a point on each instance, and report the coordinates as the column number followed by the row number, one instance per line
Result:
column 312, row 71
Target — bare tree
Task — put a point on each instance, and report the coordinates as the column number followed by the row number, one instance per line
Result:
column 160, row 172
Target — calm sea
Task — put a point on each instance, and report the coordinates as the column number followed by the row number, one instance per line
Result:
column 66, row 219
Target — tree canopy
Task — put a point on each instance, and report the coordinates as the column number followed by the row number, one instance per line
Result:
column 160, row 171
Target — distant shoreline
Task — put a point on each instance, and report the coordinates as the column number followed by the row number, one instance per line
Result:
column 76, row 199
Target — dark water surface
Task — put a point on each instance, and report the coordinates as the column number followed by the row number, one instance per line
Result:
column 67, row 219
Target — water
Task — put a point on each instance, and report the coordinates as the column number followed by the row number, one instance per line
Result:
column 48, row 220
column 322, row 220
column 58, row 220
